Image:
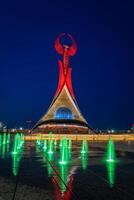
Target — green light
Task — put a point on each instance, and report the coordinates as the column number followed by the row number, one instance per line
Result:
column 110, row 162
column 64, row 177
column 55, row 143
column 111, row 173
column 64, row 152
column 4, row 138
column 84, row 161
column 14, row 152
column 18, row 143
column 45, row 145
column 15, row 166
column 84, row 147
column 50, row 144
column 17, row 152
column 16, row 157
column 50, row 152
column 110, row 153
column 63, row 162
column 8, row 138
column 50, row 170
column 15, row 144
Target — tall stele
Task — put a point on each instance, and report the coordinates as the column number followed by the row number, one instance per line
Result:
column 63, row 115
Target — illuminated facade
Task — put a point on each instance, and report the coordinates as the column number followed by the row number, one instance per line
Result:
column 63, row 111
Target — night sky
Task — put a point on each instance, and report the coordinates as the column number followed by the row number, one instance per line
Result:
column 103, row 68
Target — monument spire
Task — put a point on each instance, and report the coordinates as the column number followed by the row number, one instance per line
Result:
column 64, row 111
column 64, row 64
column 65, row 50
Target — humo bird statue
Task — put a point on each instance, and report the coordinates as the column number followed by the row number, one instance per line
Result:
column 64, row 65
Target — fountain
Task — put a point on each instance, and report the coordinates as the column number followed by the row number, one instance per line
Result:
column 55, row 143
column 110, row 153
column 18, row 143
column 110, row 161
column 64, row 152
column 8, row 138
column 45, row 145
column 4, row 138
column 50, row 144
column 84, row 149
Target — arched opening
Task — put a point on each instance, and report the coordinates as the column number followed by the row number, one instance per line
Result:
column 63, row 113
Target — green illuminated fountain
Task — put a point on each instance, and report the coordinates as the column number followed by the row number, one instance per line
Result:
column 110, row 153
column 8, row 142
column 45, row 145
column 22, row 139
column 84, row 149
column 50, row 144
column 8, row 138
column 4, row 138
column 55, row 143
column 18, row 143
column 110, row 160
column 64, row 152
column 15, row 144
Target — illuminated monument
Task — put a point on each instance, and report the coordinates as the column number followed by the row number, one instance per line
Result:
column 63, row 115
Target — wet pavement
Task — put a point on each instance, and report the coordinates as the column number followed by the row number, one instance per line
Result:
column 35, row 175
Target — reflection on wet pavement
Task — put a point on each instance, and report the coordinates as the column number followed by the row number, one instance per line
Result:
column 63, row 170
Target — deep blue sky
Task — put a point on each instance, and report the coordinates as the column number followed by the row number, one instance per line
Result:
column 103, row 69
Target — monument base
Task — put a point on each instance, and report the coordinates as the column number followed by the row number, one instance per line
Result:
column 61, row 129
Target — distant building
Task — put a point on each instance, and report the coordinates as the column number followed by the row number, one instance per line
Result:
column 1, row 125
column 132, row 128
